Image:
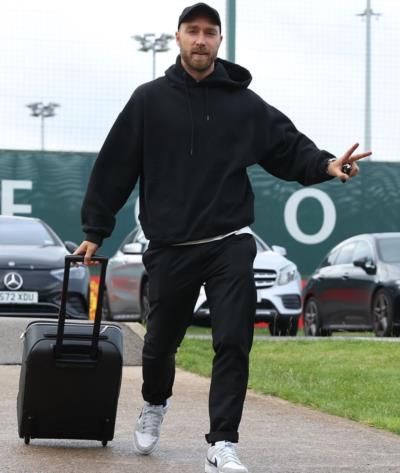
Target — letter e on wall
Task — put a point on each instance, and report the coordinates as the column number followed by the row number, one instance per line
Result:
column 8, row 205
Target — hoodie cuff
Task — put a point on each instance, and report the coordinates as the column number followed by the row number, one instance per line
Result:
column 94, row 238
column 323, row 170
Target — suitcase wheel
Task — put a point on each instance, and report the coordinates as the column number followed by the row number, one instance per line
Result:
column 104, row 443
column 27, row 439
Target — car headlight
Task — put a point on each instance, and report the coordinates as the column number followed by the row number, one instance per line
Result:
column 287, row 274
column 75, row 272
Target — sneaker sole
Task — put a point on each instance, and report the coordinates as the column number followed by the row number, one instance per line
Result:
column 144, row 451
column 210, row 468
column 213, row 469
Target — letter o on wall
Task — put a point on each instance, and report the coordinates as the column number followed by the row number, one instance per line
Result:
column 328, row 222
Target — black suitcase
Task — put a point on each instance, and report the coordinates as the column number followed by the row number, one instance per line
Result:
column 70, row 374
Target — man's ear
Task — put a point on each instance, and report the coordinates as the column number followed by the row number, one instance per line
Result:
column 177, row 38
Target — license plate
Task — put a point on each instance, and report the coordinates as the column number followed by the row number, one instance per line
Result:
column 18, row 297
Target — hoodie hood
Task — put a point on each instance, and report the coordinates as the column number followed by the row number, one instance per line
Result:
column 225, row 73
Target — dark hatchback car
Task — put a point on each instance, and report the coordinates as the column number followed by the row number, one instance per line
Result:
column 32, row 269
column 356, row 288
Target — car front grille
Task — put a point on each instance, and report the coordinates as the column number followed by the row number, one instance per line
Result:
column 76, row 308
column 34, row 280
column 265, row 304
column 264, row 278
column 291, row 301
column 49, row 291
column 26, row 310
column 76, row 305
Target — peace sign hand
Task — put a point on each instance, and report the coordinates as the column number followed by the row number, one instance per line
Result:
column 338, row 167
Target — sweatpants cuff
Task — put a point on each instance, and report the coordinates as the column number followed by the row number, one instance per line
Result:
column 213, row 437
column 158, row 399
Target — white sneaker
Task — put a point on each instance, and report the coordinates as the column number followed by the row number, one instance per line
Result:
column 148, row 426
column 222, row 458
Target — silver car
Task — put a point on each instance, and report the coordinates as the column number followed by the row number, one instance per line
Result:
column 277, row 281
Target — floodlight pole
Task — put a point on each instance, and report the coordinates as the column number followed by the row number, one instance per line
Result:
column 231, row 29
column 149, row 42
column 368, row 13
column 39, row 109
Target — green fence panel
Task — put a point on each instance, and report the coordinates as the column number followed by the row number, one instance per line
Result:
column 306, row 221
column 58, row 183
column 320, row 216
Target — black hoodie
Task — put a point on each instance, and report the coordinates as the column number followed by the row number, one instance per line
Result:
column 190, row 143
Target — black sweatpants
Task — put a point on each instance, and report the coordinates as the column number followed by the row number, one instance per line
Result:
column 176, row 274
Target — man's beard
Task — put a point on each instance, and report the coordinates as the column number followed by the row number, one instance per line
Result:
column 198, row 66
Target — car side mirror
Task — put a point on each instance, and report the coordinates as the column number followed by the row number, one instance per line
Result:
column 133, row 248
column 71, row 246
column 366, row 264
column 279, row 249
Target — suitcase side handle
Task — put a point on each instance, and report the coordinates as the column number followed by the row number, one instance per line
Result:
column 70, row 259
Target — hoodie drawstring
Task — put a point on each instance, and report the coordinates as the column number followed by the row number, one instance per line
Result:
column 187, row 91
column 207, row 110
column 191, row 116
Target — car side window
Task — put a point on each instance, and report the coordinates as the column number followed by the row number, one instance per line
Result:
column 330, row 259
column 345, row 255
column 363, row 251
column 129, row 238
column 140, row 238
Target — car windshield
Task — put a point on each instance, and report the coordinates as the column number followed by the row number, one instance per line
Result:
column 389, row 249
column 24, row 232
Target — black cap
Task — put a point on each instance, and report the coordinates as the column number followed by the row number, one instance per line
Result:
column 198, row 8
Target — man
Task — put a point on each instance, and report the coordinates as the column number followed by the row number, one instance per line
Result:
column 190, row 136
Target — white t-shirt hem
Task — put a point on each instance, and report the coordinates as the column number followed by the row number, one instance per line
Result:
column 218, row 237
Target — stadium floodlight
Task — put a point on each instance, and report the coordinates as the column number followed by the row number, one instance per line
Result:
column 39, row 109
column 368, row 13
column 149, row 42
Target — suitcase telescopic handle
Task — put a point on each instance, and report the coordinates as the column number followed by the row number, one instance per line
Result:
column 71, row 259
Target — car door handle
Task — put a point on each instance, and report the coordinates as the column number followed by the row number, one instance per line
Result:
column 345, row 276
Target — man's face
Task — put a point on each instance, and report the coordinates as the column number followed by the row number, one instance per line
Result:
column 199, row 40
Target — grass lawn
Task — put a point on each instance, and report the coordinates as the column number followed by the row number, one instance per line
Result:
column 197, row 330
column 359, row 380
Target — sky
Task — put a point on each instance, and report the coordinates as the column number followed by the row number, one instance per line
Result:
column 307, row 58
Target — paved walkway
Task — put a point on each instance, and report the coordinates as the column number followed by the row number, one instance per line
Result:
column 276, row 436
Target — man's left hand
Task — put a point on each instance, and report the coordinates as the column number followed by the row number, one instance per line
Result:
column 335, row 168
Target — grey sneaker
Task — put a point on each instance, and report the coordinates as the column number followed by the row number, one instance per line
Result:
column 222, row 458
column 147, row 430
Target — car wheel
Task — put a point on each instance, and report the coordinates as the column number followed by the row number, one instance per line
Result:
column 284, row 328
column 382, row 314
column 144, row 302
column 312, row 320
column 105, row 309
